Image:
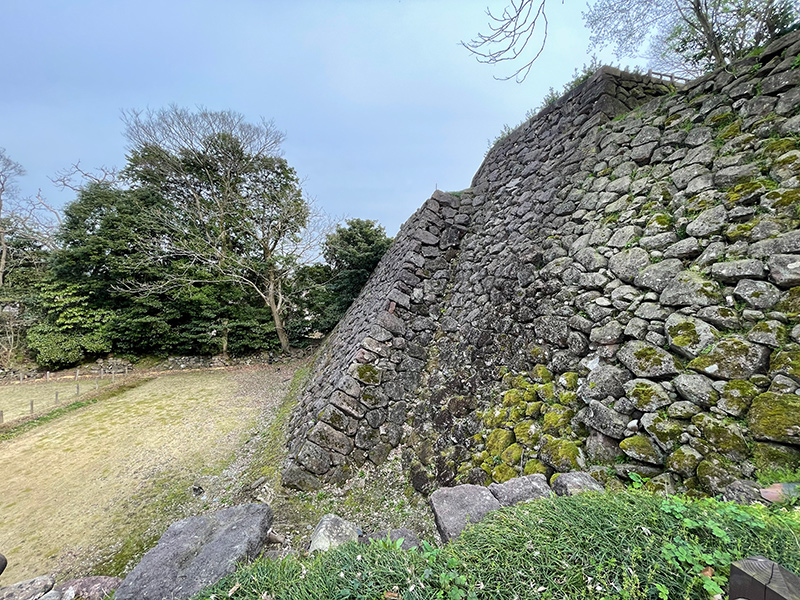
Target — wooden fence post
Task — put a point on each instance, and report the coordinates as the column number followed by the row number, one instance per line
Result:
column 1, row 416
column 31, row 405
column 47, row 376
column 77, row 373
column 77, row 389
column 56, row 396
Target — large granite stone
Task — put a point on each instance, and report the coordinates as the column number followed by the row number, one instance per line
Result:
column 457, row 507
column 31, row 589
column 197, row 552
column 576, row 482
column 521, row 489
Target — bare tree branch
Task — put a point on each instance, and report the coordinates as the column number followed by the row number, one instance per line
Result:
column 510, row 34
column 76, row 177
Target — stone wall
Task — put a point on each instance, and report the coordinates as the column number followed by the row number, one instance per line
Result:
column 617, row 287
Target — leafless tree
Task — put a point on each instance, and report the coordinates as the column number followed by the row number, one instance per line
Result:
column 9, row 172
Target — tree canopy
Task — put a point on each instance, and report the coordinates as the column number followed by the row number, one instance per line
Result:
column 235, row 210
column 203, row 244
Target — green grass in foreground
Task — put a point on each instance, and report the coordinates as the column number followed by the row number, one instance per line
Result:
column 629, row 545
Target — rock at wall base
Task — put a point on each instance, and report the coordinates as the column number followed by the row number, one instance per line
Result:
column 332, row 531
column 455, row 508
column 32, row 589
column 197, row 552
column 577, row 482
column 521, row 489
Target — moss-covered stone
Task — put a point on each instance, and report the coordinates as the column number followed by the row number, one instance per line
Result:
column 791, row 302
column 683, row 334
column 684, row 461
column 646, row 360
column 725, row 438
column 513, row 397
column 534, row 409
column 775, row 418
column 560, row 454
column 570, row 399
column 512, row 455
column 663, row 485
column 541, row 374
column 368, row 374
column 503, row 472
column 546, row 392
column 537, row 353
column 665, row 431
column 721, row 120
column 743, row 192
column 783, row 198
column 730, row 131
column 641, row 447
column 569, row 380
column 495, row 416
column 557, row 419
column 527, row 433
column 499, row 440
column 736, row 396
column 658, row 223
column 714, row 473
column 770, row 333
column 740, row 231
column 777, row 147
column 731, row 358
column 646, row 395
column 480, row 457
column 785, row 363
column 516, row 414
column 775, row 457
column 534, row 466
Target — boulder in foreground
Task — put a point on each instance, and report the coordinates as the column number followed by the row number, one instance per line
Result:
column 197, row 552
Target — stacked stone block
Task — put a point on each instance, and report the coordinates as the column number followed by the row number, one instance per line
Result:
column 620, row 285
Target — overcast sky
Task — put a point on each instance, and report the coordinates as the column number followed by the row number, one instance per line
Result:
column 379, row 103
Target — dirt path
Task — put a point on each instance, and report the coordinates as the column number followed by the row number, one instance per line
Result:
column 92, row 489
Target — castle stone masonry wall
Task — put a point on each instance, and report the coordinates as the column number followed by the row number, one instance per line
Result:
column 618, row 291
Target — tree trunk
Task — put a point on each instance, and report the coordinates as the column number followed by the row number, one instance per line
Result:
column 3, row 256
column 276, row 317
column 708, row 32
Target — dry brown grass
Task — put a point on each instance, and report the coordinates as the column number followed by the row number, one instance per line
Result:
column 15, row 398
column 91, row 489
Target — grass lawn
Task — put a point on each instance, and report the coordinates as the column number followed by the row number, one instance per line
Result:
column 90, row 490
column 15, row 398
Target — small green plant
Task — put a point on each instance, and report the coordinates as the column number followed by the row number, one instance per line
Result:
column 637, row 481
column 444, row 572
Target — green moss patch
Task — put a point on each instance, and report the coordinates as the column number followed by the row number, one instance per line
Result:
column 775, row 417
column 499, row 440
